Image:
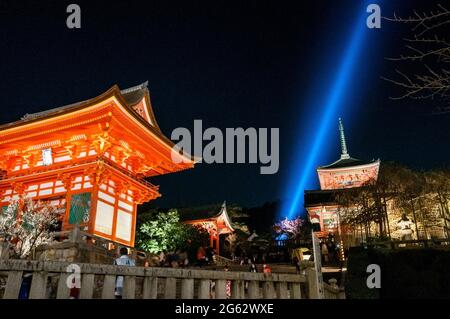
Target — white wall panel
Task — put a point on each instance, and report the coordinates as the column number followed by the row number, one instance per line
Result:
column 104, row 218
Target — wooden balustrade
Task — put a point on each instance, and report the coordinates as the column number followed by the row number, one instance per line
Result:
column 399, row 244
column 98, row 281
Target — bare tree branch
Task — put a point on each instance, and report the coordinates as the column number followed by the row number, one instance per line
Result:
column 427, row 51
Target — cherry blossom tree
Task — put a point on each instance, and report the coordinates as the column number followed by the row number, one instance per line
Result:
column 290, row 227
column 27, row 226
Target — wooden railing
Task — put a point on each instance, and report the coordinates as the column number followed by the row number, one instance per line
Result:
column 423, row 243
column 49, row 280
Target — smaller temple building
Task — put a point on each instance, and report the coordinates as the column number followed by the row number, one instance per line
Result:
column 347, row 172
column 216, row 223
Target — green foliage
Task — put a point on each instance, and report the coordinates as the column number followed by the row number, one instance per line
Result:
column 164, row 231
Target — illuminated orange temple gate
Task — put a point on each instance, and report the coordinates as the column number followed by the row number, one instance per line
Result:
column 89, row 159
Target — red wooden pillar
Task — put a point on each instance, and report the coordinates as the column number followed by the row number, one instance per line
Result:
column 322, row 211
column 217, row 248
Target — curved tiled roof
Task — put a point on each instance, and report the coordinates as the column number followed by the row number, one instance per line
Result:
column 208, row 212
column 131, row 95
column 347, row 162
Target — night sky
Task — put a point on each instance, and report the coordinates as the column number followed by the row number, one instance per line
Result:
column 231, row 64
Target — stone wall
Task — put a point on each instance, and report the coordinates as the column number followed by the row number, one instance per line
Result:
column 83, row 252
column 75, row 252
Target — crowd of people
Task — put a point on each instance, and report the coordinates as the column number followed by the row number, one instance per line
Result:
column 256, row 255
column 200, row 257
column 329, row 251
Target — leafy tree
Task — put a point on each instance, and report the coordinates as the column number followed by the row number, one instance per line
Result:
column 165, row 232
column 162, row 233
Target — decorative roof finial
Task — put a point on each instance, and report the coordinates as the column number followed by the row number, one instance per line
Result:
column 135, row 88
column 344, row 152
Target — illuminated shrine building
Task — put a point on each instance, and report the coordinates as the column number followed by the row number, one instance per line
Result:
column 90, row 159
column 346, row 172
column 216, row 224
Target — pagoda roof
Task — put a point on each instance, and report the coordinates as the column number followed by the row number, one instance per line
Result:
column 347, row 162
column 131, row 96
column 127, row 98
column 129, row 110
column 205, row 213
column 135, row 94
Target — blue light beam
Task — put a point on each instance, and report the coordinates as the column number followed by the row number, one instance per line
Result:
column 326, row 119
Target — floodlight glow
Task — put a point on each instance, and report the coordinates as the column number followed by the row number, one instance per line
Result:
column 327, row 119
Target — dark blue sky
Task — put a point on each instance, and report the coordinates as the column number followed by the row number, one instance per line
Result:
column 231, row 64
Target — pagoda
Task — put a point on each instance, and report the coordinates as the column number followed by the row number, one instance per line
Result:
column 346, row 172
column 216, row 224
column 90, row 159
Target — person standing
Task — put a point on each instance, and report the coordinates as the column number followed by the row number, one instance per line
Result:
column 238, row 253
column 296, row 262
column 267, row 269
column 331, row 250
column 252, row 267
column 325, row 252
column 405, row 225
column 201, row 256
column 162, row 258
column 209, row 254
column 24, row 291
column 123, row 260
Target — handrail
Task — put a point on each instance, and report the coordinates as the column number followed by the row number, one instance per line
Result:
column 101, row 269
column 395, row 243
column 144, row 282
